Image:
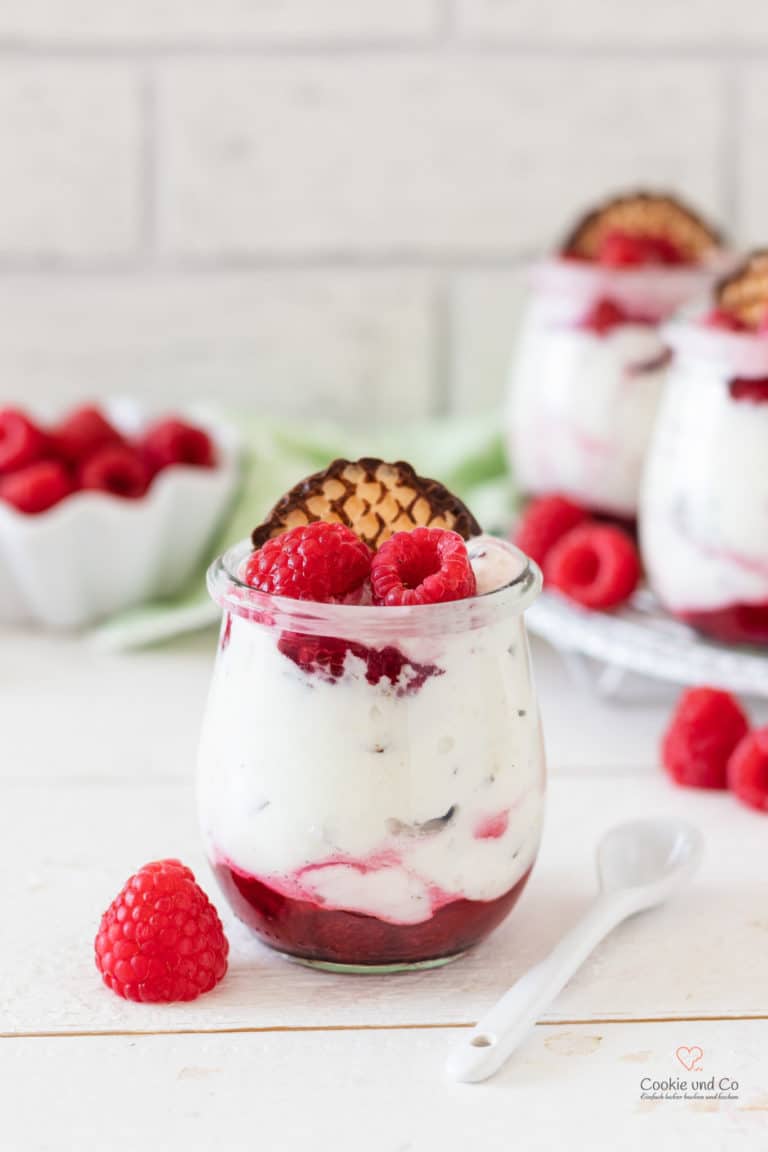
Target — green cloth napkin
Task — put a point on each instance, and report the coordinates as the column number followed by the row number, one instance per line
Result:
column 466, row 454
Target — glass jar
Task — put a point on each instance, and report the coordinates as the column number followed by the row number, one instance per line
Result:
column 371, row 780
column 704, row 503
column 587, row 379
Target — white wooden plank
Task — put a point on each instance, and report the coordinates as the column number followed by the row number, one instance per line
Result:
column 382, row 1091
column 66, row 847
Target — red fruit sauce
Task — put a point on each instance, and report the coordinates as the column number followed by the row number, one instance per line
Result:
column 308, row 931
column 734, row 624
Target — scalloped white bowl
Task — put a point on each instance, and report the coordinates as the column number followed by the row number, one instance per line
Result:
column 94, row 554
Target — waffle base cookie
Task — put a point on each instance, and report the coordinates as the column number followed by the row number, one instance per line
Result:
column 646, row 214
column 744, row 294
column 372, row 498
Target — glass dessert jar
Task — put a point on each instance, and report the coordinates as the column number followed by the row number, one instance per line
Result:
column 371, row 780
column 704, row 503
column 588, row 375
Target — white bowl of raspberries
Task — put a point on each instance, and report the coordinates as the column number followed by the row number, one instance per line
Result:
column 105, row 508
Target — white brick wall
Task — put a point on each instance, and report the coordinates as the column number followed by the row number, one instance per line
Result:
column 71, row 159
column 223, row 22
column 292, row 342
column 301, row 205
column 422, row 154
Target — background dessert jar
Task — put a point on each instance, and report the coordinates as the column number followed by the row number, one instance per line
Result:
column 371, row 779
column 591, row 362
column 704, row 504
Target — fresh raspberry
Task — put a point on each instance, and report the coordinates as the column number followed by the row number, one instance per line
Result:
column 603, row 316
column 754, row 391
column 161, row 939
column 748, row 769
column 321, row 561
column 325, row 656
column 594, row 564
column 176, row 442
column 81, row 433
column 543, row 523
column 116, row 469
column 423, row 566
column 21, row 441
column 37, row 487
column 619, row 249
column 705, row 727
column 724, row 321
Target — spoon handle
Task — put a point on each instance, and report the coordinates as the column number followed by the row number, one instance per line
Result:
column 494, row 1038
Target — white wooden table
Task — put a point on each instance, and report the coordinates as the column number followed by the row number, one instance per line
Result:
column 97, row 760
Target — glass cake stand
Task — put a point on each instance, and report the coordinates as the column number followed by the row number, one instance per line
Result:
column 602, row 648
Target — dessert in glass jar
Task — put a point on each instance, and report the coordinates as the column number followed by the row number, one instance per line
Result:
column 371, row 778
column 591, row 361
column 704, row 503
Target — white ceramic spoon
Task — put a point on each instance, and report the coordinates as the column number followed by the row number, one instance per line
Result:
column 639, row 865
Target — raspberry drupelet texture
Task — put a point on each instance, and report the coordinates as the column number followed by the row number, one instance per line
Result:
column 161, row 939
column 21, row 441
column 423, row 566
column 706, row 726
column 324, row 562
column 114, row 468
column 82, row 432
column 594, row 564
column 543, row 523
column 748, row 770
column 175, row 442
column 37, row 487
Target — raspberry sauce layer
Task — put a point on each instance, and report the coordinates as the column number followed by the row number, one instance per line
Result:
column 733, row 624
column 308, row 931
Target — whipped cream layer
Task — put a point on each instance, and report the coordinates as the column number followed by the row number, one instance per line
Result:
column 704, row 503
column 582, row 410
column 387, row 799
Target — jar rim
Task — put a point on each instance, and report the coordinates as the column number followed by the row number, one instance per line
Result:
column 737, row 353
column 350, row 621
column 653, row 292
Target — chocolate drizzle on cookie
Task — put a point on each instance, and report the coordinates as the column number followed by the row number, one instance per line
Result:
column 373, row 498
column 644, row 214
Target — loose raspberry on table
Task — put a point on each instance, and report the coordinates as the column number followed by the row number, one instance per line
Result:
column 543, row 523
column 161, row 939
column 116, row 469
column 83, row 432
column 176, row 442
column 705, row 727
column 321, row 561
column 423, row 566
column 596, row 565
column 37, row 487
column 21, row 441
column 748, row 770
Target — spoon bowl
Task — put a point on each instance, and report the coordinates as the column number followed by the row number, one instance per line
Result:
column 648, row 859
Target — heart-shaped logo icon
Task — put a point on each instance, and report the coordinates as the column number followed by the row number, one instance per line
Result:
column 689, row 1057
